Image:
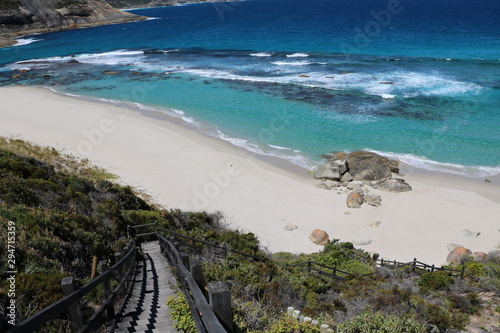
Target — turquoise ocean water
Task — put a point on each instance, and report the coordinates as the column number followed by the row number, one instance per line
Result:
column 418, row 80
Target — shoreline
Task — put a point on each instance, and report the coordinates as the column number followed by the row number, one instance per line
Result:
column 283, row 163
column 181, row 168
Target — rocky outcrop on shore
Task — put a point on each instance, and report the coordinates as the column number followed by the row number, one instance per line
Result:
column 21, row 17
column 357, row 172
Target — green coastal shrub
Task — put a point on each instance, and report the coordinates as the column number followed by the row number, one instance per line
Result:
column 180, row 313
column 377, row 322
column 291, row 325
column 435, row 281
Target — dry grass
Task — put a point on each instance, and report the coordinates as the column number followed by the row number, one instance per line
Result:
column 61, row 162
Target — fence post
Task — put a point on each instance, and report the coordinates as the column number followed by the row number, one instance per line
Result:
column 196, row 269
column 106, row 288
column 432, row 268
column 219, row 298
column 309, row 265
column 414, row 265
column 118, row 256
column 462, row 272
column 75, row 313
column 185, row 259
column 94, row 267
column 382, row 262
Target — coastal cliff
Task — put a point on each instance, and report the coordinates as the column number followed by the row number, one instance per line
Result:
column 152, row 3
column 21, row 17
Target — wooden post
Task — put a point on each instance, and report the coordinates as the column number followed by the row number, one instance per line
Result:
column 414, row 264
column 196, row 268
column 94, row 267
column 185, row 259
column 219, row 298
column 463, row 272
column 432, row 268
column 119, row 273
column 68, row 286
column 309, row 265
column 381, row 262
column 106, row 287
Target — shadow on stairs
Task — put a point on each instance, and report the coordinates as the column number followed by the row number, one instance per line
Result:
column 145, row 310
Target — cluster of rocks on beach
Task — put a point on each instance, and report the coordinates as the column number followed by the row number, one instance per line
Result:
column 358, row 171
column 355, row 175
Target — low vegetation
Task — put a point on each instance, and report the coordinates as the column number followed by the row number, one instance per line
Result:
column 9, row 4
column 64, row 3
column 66, row 212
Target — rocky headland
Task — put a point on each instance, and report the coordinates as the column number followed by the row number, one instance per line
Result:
column 22, row 17
column 153, row 3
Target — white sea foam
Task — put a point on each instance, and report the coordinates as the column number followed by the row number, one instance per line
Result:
column 291, row 155
column 110, row 58
column 385, row 85
column 297, row 55
column 261, row 54
column 292, row 63
column 427, row 164
column 106, row 58
column 25, row 41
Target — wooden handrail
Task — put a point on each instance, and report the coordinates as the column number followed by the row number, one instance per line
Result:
column 205, row 318
column 52, row 311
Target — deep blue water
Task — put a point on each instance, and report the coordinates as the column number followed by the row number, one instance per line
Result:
column 419, row 80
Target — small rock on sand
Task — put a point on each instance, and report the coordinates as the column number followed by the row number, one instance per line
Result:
column 362, row 241
column 374, row 224
column 468, row 233
column 354, row 200
column 347, row 212
column 319, row 237
column 455, row 256
column 290, row 227
column 373, row 200
column 323, row 186
column 479, row 256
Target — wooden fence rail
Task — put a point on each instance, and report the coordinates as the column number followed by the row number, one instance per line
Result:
column 71, row 301
column 204, row 314
column 210, row 315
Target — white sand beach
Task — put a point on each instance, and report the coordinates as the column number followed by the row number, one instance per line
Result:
column 181, row 168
